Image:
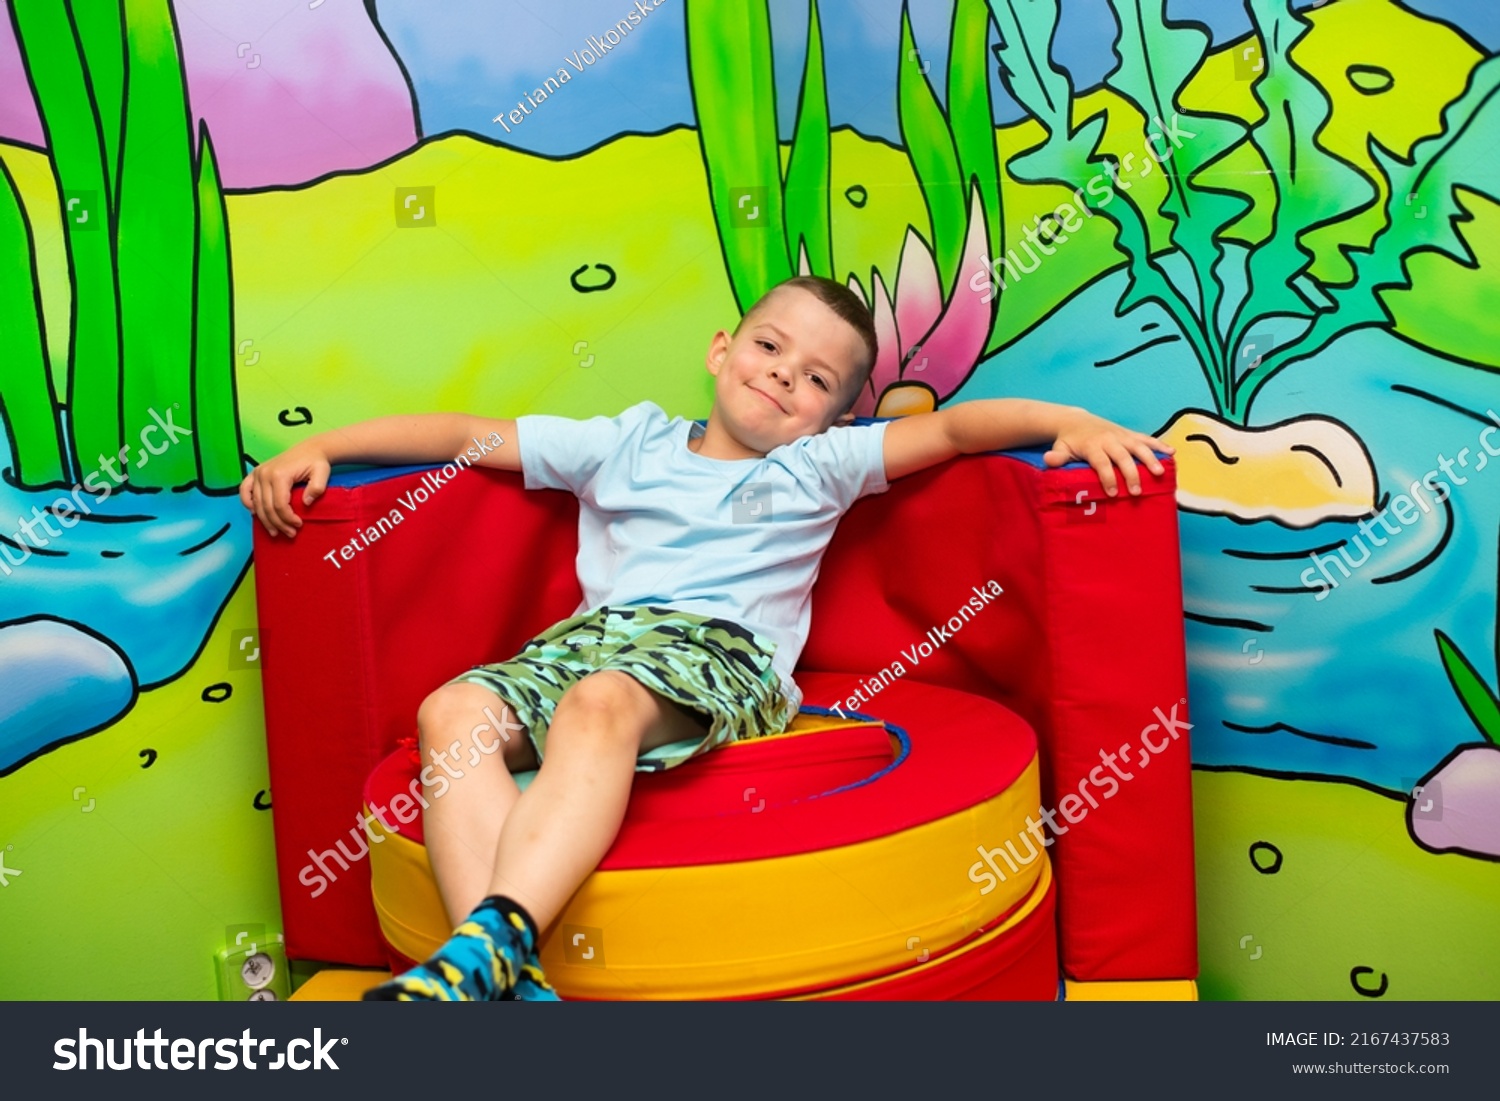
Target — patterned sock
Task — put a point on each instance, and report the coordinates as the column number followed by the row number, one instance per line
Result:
column 480, row 962
column 532, row 985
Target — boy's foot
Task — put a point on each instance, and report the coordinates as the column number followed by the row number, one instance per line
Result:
column 480, row 962
column 532, row 985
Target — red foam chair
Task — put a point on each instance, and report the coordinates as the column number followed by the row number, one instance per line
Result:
column 1085, row 645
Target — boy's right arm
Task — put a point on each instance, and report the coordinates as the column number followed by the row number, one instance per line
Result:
column 416, row 438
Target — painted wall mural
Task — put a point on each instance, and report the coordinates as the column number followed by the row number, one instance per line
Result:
column 1265, row 230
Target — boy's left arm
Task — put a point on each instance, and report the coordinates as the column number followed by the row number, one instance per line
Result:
column 925, row 439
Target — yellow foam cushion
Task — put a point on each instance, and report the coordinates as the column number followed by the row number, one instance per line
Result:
column 685, row 933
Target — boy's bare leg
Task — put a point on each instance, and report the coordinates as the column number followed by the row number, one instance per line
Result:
column 565, row 821
column 462, row 825
column 553, row 835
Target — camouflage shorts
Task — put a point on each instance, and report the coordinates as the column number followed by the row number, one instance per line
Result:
column 718, row 669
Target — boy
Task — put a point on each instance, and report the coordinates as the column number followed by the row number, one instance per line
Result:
column 697, row 554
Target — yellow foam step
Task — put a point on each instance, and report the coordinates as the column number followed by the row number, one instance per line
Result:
column 338, row 984
column 1156, row 990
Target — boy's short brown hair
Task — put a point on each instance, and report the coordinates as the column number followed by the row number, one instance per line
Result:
column 843, row 302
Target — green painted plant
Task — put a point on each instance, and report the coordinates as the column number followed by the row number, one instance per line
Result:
column 970, row 117
column 952, row 151
column 147, row 247
column 1312, row 187
column 765, row 224
column 26, row 397
column 1478, row 700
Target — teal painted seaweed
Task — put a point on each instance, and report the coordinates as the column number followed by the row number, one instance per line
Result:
column 1422, row 215
column 1313, row 187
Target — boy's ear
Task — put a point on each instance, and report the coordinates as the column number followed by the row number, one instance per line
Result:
column 845, row 419
column 718, row 348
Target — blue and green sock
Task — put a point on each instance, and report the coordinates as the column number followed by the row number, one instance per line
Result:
column 532, row 985
column 489, row 957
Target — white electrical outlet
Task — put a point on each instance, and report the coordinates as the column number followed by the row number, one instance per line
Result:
column 252, row 966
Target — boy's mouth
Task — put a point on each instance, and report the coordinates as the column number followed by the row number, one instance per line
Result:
column 768, row 397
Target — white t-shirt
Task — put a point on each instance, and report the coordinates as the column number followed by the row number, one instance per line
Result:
column 734, row 539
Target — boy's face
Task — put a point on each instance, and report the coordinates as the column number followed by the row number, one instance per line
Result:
column 789, row 373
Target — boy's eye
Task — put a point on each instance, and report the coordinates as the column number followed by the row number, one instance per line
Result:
column 767, row 345
column 820, row 383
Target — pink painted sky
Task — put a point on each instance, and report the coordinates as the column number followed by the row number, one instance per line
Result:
column 324, row 93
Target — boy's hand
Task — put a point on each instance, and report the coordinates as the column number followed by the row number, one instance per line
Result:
column 1105, row 445
column 267, row 490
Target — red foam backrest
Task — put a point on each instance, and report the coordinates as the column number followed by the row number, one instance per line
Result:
column 1085, row 643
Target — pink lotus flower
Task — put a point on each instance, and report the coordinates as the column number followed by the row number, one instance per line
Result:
column 927, row 347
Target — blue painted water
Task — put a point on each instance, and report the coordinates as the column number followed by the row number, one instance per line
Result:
column 1350, row 685
column 147, row 573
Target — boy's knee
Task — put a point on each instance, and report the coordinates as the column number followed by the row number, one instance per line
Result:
column 471, row 715
column 452, row 705
column 609, row 695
